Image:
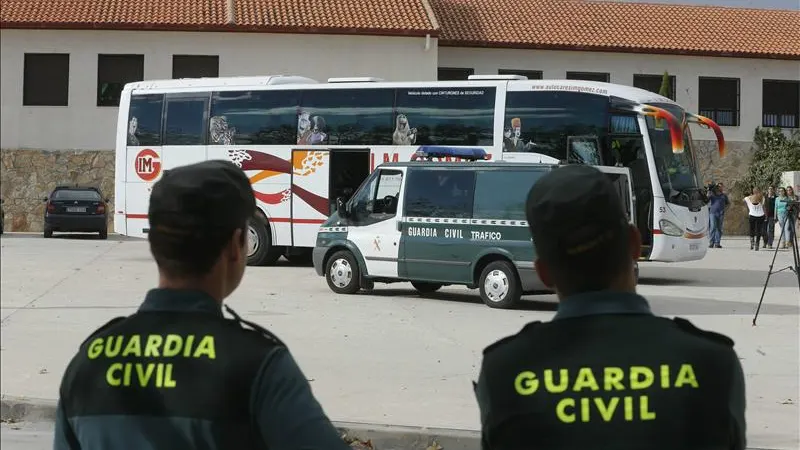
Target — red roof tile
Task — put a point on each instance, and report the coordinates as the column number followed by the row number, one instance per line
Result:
column 619, row 27
column 392, row 17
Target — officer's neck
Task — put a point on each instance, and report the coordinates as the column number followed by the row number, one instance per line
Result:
column 204, row 284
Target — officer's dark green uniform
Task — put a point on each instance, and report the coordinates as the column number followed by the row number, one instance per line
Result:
column 605, row 373
column 179, row 375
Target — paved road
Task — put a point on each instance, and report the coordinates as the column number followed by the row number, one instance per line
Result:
column 391, row 357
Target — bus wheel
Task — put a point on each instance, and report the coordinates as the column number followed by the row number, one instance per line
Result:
column 260, row 251
column 426, row 288
column 499, row 285
column 342, row 273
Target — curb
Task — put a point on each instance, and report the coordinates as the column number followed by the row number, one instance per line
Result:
column 382, row 437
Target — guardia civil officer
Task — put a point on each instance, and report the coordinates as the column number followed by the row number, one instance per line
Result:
column 177, row 374
column 605, row 373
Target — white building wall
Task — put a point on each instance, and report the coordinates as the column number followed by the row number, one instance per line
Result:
column 83, row 125
column 622, row 67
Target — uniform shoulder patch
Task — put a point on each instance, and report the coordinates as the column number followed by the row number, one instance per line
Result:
column 255, row 327
column 689, row 327
column 104, row 327
column 510, row 338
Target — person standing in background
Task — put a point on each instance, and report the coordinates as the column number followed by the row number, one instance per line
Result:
column 769, row 221
column 717, row 204
column 755, row 207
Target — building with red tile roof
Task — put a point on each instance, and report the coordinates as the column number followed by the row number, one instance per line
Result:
column 63, row 62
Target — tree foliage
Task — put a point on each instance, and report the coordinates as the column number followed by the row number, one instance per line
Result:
column 665, row 85
column 776, row 152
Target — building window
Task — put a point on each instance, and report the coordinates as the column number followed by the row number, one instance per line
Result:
column 719, row 100
column 441, row 116
column 254, row 118
column 440, row 193
column 652, row 83
column 113, row 72
column 346, row 117
column 454, row 74
column 45, row 79
column 781, row 103
column 589, row 76
column 195, row 66
column 531, row 74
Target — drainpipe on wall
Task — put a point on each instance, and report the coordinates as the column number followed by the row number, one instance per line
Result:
column 231, row 13
column 427, row 42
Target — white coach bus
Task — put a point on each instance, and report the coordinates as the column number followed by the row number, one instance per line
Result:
column 303, row 144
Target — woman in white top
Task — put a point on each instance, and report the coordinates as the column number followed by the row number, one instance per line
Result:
column 755, row 206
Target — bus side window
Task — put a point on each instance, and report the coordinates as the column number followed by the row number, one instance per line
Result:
column 186, row 119
column 144, row 120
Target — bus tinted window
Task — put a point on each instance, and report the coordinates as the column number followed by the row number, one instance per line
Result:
column 185, row 124
column 345, row 117
column 440, row 193
column 144, row 120
column 445, row 116
column 253, row 117
column 553, row 122
column 501, row 194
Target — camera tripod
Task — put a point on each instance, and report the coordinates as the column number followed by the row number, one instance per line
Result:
column 791, row 214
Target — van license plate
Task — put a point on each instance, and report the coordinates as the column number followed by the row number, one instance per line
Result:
column 694, row 247
column 75, row 209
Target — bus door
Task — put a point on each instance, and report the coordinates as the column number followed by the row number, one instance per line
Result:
column 185, row 129
column 318, row 178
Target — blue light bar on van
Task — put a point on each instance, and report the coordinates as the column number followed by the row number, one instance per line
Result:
column 436, row 151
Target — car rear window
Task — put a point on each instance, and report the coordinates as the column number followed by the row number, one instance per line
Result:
column 75, row 194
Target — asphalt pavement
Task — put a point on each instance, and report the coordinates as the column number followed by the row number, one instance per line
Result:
column 391, row 356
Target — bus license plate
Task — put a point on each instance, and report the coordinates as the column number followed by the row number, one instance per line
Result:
column 75, row 209
column 694, row 247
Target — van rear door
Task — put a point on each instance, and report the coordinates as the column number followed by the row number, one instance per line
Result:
column 621, row 177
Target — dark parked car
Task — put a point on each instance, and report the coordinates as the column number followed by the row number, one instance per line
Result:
column 76, row 209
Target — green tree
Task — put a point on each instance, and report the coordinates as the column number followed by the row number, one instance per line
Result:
column 665, row 85
column 775, row 153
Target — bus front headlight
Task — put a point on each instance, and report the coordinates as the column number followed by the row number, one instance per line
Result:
column 669, row 228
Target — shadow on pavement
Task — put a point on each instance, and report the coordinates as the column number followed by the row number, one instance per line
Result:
column 528, row 302
column 682, row 276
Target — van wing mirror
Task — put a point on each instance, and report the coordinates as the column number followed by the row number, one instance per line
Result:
column 341, row 207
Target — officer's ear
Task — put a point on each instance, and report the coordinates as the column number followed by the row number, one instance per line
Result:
column 236, row 245
column 544, row 273
column 634, row 242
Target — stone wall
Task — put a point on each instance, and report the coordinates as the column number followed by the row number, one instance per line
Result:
column 727, row 170
column 27, row 176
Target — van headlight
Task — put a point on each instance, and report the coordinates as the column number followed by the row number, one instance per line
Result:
column 669, row 228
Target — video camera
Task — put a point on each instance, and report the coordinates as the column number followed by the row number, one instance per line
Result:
column 713, row 188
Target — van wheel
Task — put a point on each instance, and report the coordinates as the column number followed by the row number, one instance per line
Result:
column 342, row 273
column 426, row 288
column 260, row 251
column 499, row 285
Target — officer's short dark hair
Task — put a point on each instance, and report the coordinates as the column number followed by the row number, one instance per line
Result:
column 194, row 211
column 580, row 228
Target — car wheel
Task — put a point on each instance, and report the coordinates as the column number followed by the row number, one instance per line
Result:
column 426, row 288
column 103, row 234
column 342, row 273
column 260, row 251
column 499, row 285
column 48, row 232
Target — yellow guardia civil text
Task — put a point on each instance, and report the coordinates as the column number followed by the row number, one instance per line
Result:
column 144, row 374
column 628, row 403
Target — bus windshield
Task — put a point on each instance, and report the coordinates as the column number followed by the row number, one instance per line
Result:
column 677, row 172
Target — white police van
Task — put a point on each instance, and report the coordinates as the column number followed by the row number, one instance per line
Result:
column 437, row 223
